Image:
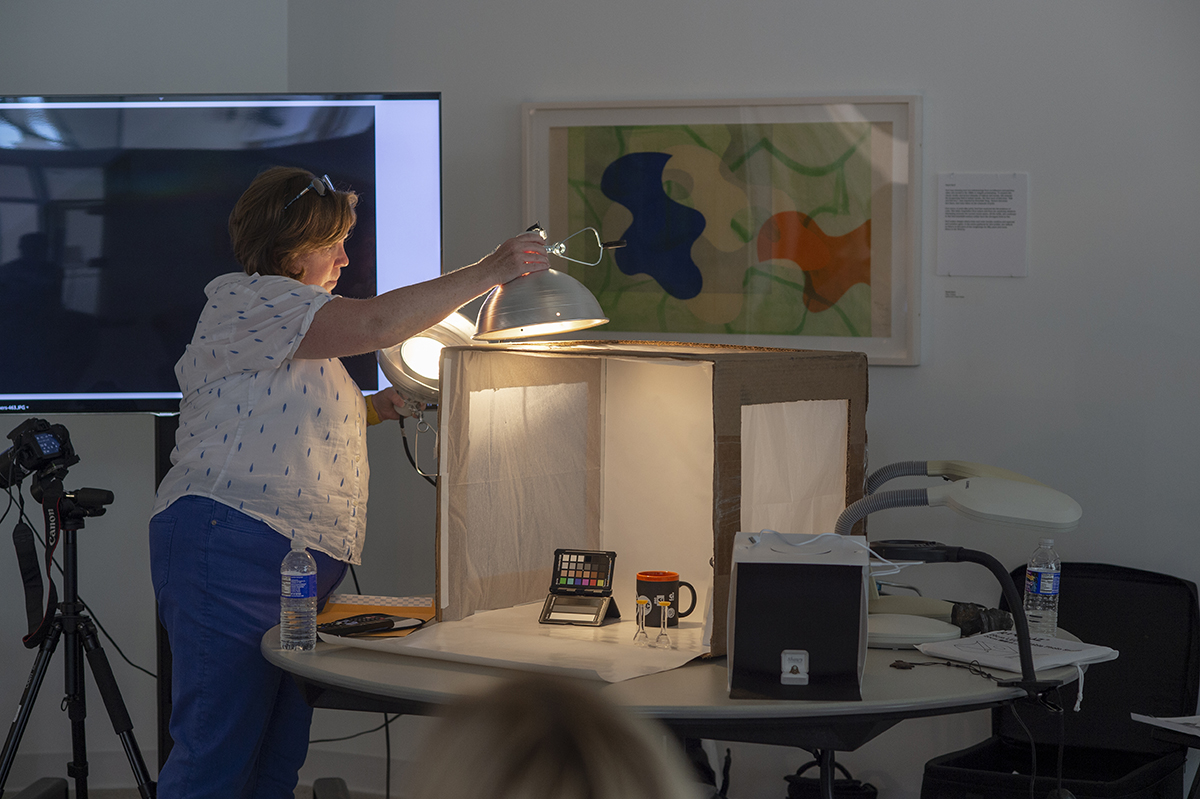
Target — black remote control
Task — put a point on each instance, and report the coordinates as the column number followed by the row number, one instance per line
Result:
column 368, row 623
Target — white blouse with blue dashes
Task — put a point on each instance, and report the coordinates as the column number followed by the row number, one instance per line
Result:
column 280, row 439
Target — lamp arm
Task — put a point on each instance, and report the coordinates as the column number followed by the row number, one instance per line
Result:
column 1028, row 680
column 961, row 470
column 857, row 511
column 948, row 470
column 894, row 470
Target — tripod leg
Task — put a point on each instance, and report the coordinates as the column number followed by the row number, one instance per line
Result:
column 75, row 702
column 117, row 712
column 25, row 707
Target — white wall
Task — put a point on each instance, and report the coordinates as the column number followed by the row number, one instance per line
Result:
column 1082, row 374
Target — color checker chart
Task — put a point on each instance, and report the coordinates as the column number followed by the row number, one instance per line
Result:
column 581, row 588
column 583, row 571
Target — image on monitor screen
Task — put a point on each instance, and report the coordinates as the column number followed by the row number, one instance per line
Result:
column 114, row 216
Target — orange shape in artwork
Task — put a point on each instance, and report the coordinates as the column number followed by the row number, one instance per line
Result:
column 831, row 264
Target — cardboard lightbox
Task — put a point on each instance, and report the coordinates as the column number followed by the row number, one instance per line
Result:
column 659, row 452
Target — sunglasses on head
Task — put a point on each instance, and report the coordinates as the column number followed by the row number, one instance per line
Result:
column 319, row 186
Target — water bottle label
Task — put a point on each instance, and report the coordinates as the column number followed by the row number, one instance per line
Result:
column 1041, row 583
column 300, row 586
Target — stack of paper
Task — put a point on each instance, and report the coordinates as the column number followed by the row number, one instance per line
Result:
column 1188, row 725
column 998, row 650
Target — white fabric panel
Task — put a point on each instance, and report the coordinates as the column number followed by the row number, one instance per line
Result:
column 525, row 485
column 657, row 502
column 794, row 465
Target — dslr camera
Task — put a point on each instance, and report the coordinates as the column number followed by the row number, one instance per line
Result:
column 38, row 447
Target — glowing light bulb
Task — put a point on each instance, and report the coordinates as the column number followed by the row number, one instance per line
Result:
column 423, row 355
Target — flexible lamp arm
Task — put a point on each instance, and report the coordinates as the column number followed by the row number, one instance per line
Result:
column 930, row 552
column 950, row 470
column 894, row 470
column 857, row 511
column 1016, row 606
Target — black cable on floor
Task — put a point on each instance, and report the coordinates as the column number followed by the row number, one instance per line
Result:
column 113, row 641
column 387, row 753
column 1032, row 749
column 351, row 737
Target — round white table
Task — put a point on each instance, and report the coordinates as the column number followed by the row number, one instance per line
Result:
column 693, row 701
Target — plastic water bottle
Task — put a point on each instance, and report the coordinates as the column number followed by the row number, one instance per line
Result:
column 298, row 599
column 1041, row 589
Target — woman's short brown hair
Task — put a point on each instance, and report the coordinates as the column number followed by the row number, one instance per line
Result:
column 542, row 736
column 268, row 239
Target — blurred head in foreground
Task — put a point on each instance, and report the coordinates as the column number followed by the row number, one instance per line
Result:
column 539, row 737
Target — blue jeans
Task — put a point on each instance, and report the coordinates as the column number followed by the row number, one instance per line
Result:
column 240, row 725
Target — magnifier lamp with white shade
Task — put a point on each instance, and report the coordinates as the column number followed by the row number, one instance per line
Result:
column 994, row 499
column 1021, row 502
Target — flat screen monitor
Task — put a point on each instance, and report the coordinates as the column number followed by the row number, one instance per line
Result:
column 114, row 216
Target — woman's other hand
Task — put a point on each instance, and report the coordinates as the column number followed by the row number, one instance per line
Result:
column 390, row 404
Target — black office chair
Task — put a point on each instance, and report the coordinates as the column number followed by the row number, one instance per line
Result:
column 1154, row 622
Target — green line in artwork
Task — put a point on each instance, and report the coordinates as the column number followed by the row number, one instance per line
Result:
column 621, row 143
column 756, row 272
column 605, row 279
column 694, row 136
column 799, row 329
column 840, row 204
column 845, row 320
column 581, row 189
column 833, row 209
column 619, row 293
column 741, row 231
column 792, row 284
column 621, row 130
column 809, row 171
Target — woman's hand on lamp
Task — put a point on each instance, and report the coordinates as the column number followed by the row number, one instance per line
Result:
column 391, row 405
column 518, row 256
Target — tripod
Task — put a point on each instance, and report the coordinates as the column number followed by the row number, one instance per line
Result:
column 79, row 631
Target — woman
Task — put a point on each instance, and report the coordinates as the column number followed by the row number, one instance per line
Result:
column 271, row 447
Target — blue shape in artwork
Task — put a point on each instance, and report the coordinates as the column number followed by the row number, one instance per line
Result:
column 659, row 240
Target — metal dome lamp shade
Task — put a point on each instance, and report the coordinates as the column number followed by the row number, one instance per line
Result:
column 538, row 304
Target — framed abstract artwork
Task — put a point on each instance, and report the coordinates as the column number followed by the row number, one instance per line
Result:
column 776, row 223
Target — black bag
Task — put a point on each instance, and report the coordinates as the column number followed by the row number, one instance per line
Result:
column 800, row 787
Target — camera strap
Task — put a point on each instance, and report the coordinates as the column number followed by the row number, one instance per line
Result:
column 40, row 620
